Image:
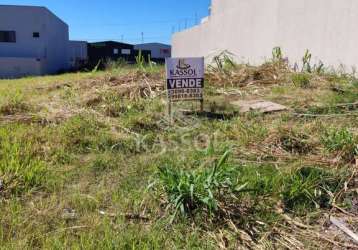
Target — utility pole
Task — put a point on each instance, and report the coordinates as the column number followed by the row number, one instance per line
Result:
column 142, row 37
column 196, row 18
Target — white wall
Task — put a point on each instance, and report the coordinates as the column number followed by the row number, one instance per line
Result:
column 14, row 67
column 252, row 28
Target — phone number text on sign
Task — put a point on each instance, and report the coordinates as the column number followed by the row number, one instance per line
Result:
column 185, row 79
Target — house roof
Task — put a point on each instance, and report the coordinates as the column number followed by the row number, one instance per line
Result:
column 160, row 44
column 77, row 41
column 34, row 7
column 113, row 42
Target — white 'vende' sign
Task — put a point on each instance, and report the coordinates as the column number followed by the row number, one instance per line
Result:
column 185, row 78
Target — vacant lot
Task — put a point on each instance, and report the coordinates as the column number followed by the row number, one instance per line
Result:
column 90, row 161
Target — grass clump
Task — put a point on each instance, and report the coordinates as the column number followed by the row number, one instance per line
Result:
column 13, row 103
column 295, row 142
column 301, row 80
column 20, row 169
column 342, row 141
column 309, row 187
column 84, row 133
column 226, row 189
column 104, row 163
column 198, row 190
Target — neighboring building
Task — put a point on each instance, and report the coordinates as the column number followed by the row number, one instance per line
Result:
column 78, row 54
column 158, row 51
column 250, row 29
column 113, row 51
column 33, row 41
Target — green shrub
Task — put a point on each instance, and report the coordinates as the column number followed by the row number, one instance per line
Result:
column 301, row 80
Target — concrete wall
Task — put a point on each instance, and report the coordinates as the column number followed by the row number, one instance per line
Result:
column 15, row 67
column 156, row 49
column 77, row 52
column 51, row 48
column 57, row 44
column 252, row 28
column 24, row 21
column 78, row 49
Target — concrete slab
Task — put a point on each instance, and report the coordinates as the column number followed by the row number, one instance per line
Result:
column 258, row 105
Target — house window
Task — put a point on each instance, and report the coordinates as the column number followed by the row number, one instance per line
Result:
column 36, row 35
column 126, row 51
column 7, row 37
column 165, row 51
column 115, row 51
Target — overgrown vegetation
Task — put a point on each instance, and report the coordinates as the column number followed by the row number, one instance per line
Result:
column 301, row 80
column 212, row 191
column 21, row 168
column 90, row 160
column 12, row 103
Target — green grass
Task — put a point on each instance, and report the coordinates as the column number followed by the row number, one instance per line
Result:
column 83, row 166
column 13, row 103
column 301, row 80
column 21, row 167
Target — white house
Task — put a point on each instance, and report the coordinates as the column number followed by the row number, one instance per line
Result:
column 250, row 29
column 159, row 51
column 33, row 41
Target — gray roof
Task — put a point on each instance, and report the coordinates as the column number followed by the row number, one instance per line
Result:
column 153, row 44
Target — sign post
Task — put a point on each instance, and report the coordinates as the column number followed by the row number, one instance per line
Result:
column 185, row 80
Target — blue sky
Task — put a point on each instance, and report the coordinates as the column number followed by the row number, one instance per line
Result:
column 96, row 20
